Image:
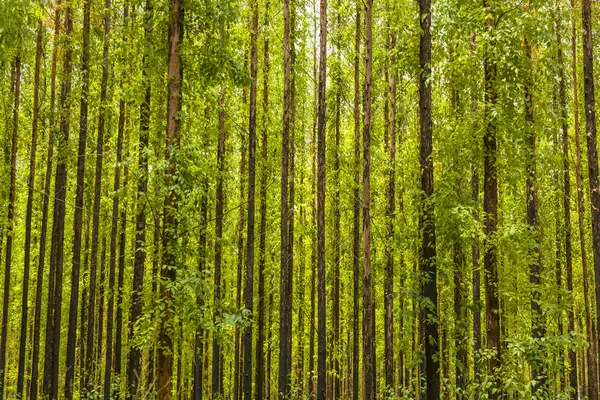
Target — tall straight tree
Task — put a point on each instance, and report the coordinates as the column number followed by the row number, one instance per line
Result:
column 53, row 315
column 321, row 182
column 114, row 214
column 168, row 270
column 356, row 211
column 260, row 355
column 285, row 302
column 590, row 125
column 427, row 261
column 29, row 212
column 217, row 376
column 78, row 217
column 16, row 84
column 566, row 196
column 537, row 322
column 490, row 200
column 33, row 390
column 591, row 349
column 369, row 372
column 390, row 214
column 134, row 362
column 249, row 285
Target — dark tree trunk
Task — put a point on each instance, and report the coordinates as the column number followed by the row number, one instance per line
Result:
column 110, row 290
column 217, row 377
column 168, row 270
column 591, row 350
column 29, row 212
column 321, row 182
column 249, row 284
column 260, row 367
column 134, row 370
column 356, row 213
column 537, row 322
column 390, row 214
column 426, row 220
column 53, row 331
column 78, row 218
column 123, row 219
column 201, row 341
column 16, row 82
column 33, row 393
column 460, row 324
column 285, row 306
column 368, row 299
column 590, row 124
column 490, row 204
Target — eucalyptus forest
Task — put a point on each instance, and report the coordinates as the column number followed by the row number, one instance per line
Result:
column 299, row 199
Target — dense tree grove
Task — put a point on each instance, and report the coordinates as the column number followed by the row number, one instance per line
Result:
column 299, row 199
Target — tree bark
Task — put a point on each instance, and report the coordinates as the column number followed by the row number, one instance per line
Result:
column 29, row 212
column 368, row 297
column 429, row 314
column 33, row 390
column 593, row 385
column 53, row 331
column 16, row 83
column 285, row 306
column 356, row 213
column 490, row 203
column 592, row 151
column 260, row 367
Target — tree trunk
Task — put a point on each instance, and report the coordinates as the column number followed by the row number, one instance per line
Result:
column 490, row 204
column 33, row 393
column 249, row 286
column 390, row 214
column 260, row 367
column 134, row 370
column 368, row 299
column 29, row 212
column 285, row 306
column 426, row 220
column 590, row 124
column 79, row 192
column 50, row 385
column 16, row 82
column 591, row 350
column 356, row 213
column 168, row 270
column 321, row 182
column 537, row 320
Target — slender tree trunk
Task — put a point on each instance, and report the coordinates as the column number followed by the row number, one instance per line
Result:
column 537, row 319
column 490, row 204
column 591, row 350
column 356, row 213
column 29, row 212
column 426, row 221
column 78, row 218
column 240, row 262
column 110, row 291
column 566, row 200
column 168, row 270
column 321, row 183
column 33, row 393
column 123, row 219
column 249, row 286
column 590, row 124
column 10, row 218
column 285, row 306
column 260, row 367
column 134, row 369
column 390, row 214
column 368, row 299
column 50, row 386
